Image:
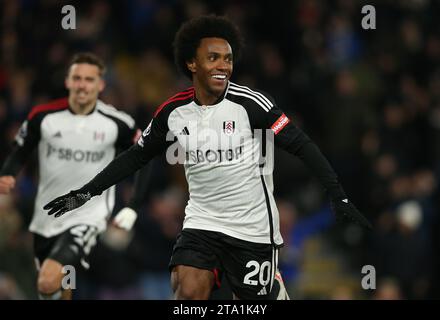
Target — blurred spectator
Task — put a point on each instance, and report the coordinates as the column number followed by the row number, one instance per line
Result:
column 9, row 289
column 342, row 293
column 388, row 289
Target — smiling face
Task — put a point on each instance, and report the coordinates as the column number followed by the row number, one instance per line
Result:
column 211, row 69
column 84, row 83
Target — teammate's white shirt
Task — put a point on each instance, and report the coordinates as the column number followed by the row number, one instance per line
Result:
column 228, row 190
column 72, row 149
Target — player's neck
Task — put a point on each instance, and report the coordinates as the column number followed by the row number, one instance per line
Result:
column 82, row 109
column 207, row 98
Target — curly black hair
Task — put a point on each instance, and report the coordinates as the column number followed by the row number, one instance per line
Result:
column 190, row 34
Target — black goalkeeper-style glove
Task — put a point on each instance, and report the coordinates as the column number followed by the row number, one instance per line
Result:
column 345, row 210
column 72, row 200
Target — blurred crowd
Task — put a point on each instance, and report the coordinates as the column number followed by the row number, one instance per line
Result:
column 370, row 99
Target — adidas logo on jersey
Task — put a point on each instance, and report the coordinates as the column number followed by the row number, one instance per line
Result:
column 184, row 132
column 262, row 292
column 57, row 135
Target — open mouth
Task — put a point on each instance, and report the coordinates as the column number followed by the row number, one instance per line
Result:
column 221, row 77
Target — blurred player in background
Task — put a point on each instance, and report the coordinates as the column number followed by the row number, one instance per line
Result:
column 231, row 224
column 75, row 137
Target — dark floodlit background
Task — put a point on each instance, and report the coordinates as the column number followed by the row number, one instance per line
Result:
column 369, row 98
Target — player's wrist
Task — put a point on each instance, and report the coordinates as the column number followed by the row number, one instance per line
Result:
column 134, row 204
column 91, row 189
column 125, row 218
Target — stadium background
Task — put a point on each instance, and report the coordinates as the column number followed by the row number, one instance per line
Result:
column 369, row 98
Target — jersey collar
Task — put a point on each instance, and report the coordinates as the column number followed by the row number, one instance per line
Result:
column 90, row 112
column 220, row 99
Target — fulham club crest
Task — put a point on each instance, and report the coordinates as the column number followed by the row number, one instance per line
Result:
column 98, row 136
column 228, row 127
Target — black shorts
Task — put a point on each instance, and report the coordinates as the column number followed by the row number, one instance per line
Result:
column 248, row 267
column 71, row 247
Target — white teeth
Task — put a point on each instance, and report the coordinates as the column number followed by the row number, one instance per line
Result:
column 219, row 76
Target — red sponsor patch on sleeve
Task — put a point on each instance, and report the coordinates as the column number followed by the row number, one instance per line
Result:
column 280, row 123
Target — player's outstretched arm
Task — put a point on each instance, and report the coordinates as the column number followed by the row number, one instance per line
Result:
column 121, row 167
column 296, row 142
column 345, row 210
column 340, row 204
column 72, row 200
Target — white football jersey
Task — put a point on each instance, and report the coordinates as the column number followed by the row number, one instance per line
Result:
column 72, row 148
column 228, row 169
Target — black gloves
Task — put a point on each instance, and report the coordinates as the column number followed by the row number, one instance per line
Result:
column 345, row 210
column 72, row 200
